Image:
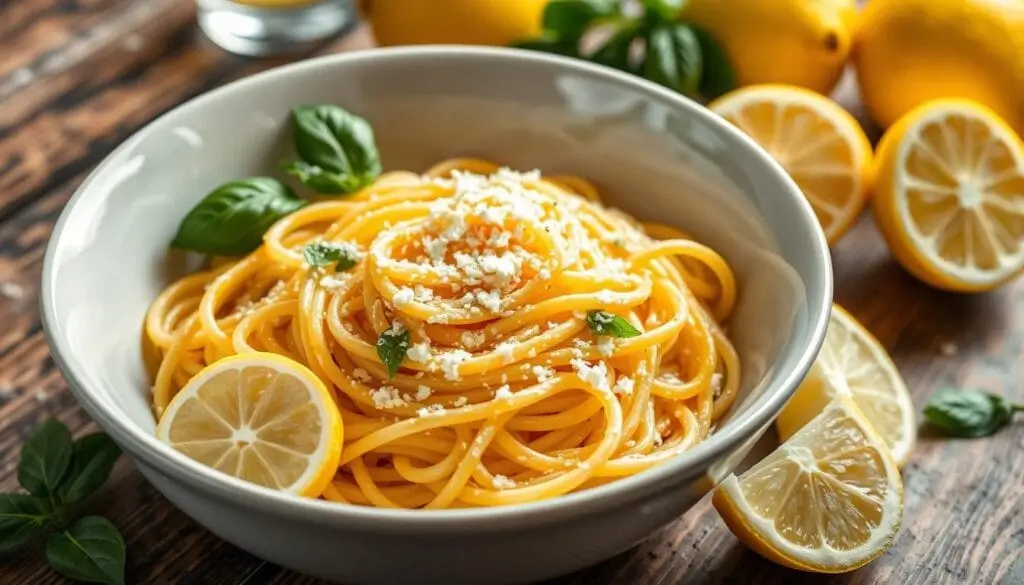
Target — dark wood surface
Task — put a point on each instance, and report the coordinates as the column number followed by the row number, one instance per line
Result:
column 78, row 76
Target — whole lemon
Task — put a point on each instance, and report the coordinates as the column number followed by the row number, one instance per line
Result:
column 464, row 22
column 908, row 52
column 793, row 42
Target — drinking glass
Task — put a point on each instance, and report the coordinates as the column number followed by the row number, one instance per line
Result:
column 270, row 27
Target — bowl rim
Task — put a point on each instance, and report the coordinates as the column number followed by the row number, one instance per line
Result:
column 145, row 447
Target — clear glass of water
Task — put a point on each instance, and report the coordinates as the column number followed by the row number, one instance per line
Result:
column 271, row 27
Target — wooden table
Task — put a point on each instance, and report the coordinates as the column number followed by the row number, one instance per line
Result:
column 78, row 76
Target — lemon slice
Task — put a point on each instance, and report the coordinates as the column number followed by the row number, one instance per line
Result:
column 820, row 145
column 828, row 500
column 259, row 417
column 853, row 363
column 949, row 187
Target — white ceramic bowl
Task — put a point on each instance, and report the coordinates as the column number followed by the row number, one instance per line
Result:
column 654, row 153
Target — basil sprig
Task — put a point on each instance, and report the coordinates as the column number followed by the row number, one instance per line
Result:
column 392, row 346
column 326, row 253
column 675, row 54
column 231, row 219
column 969, row 413
column 338, row 155
column 338, row 151
column 605, row 323
column 57, row 473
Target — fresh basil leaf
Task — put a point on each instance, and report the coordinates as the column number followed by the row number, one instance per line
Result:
column 605, row 323
column 615, row 52
column 569, row 19
column 45, row 458
column 674, row 58
column 717, row 76
column 90, row 550
column 321, row 180
column 550, row 44
column 968, row 413
column 340, row 144
column 666, row 11
column 22, row 517
column 93, row 459
column 324, row 253
column 232, row 219
column 392, row 346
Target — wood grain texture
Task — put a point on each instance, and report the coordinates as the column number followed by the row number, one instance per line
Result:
column 78, row 76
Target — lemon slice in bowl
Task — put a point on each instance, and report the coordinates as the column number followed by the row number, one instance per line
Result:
column 820, row 145
column 949, row 195
column 828, row 500
column 259, row 417
column 853, row 363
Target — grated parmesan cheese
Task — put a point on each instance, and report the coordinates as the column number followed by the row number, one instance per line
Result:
column 503, row 483
column 387, row 397
column 605, row 345
column 422, row 393
column 503, row 392
column 624, row 385
column 450, row 361
column 404, row 296
column 542, row 373
column 419, row 352
column 594, row 375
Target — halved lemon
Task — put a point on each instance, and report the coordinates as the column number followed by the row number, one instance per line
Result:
column 949, row 189
column 260, row 417
column 828, row 500
column 820, row 145
column 853, row 363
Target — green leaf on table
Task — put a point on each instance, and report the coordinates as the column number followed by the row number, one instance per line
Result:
column 231, row 219
column 392, row 345
column 89, row 550
column 93, row 459
column 337, row 147
column 968, row 413
column 569, row 19
column 320, row 179
column 674, row 58
column 45, row 458
column 717, row 75
column 550, row 44
column 605, row 323
column 664, row 10
column 325, row 253
column 22, row 517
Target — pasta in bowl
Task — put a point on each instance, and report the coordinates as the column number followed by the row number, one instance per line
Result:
column 547, row 343
column 648, row 153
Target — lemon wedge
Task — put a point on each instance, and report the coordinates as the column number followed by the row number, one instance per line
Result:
column 828, row 500
column 259, row 417
column 853, row 363
column 820, row 145
column 949, row 188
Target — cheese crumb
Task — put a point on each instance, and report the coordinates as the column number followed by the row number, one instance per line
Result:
column 404, row 296
column 503, row 483
column 361, row 374
column 387, row 397
column 460, row 401
column 450, row 363
column 605, row 345
column 503, row 392
column 624, row 385
column 542, row 373
column 506, row 350
column 430, row 410
column 472, row 339
column 422, row 393
column 419, row 352
column 596, row 376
